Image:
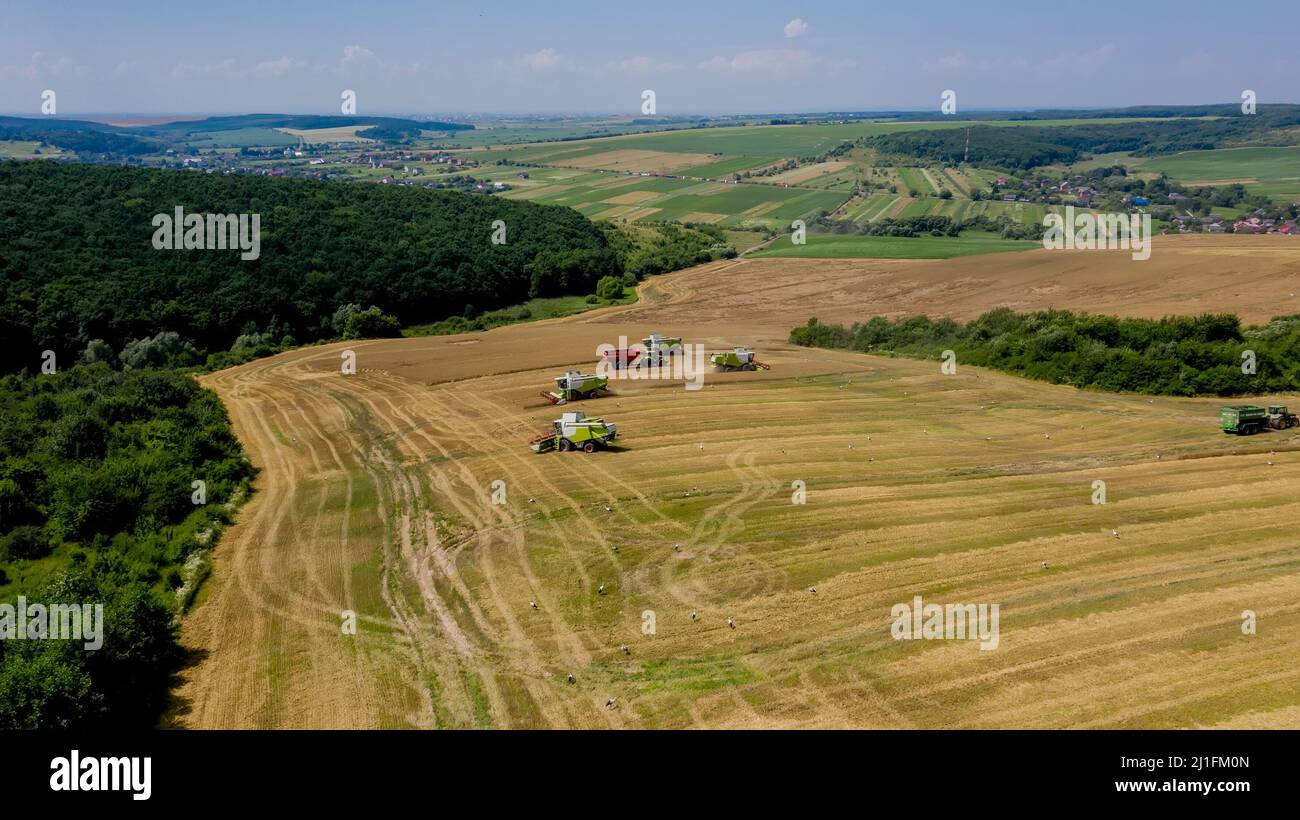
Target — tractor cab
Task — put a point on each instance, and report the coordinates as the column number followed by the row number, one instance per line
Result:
column 1280, row 418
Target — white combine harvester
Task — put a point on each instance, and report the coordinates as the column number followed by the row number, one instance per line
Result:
column 659, row 349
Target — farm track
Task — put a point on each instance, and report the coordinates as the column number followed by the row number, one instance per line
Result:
column 375, row 496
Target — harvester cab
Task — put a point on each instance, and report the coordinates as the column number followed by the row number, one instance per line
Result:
column 1280, row 418
column 575, row 431
column 658, row 349
column 574, row 385
column 738, row 359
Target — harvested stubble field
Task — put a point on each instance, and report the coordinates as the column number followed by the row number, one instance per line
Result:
column 375, row 496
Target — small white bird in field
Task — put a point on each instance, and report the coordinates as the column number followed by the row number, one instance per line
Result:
column 813, row 590
column 570, row 677
column 694, row 617
column 1115, row 533
column 600, row 590
column 626, row 651
column 611, row 703
column 532, row 605
column 731, row 623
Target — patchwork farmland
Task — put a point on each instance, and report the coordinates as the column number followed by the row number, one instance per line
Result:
column 772, row 175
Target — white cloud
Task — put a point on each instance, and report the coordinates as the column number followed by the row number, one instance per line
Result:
column 358, row 57
column 797, row 27
column 41, row 66
column 548, row 59
column 779, row 61
column 279, row 67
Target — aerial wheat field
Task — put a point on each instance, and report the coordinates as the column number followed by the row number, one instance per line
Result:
column 733, row 559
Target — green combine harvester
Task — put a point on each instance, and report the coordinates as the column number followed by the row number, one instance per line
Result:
column 574, row 385
column 574, row 431
column 1248, row 419
column 737, row 359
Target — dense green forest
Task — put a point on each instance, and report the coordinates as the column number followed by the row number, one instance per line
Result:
column 99, row 504
column 1178, row 356
column 77, row 263
column 99, row 458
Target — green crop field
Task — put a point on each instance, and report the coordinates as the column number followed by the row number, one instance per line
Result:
column 634, row 198
column 237, row 137
column 24, row 149
column 728, row 167
column 849, row 246
column 1273, row 172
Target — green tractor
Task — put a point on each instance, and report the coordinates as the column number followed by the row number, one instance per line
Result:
column 737, row 359
column 1248, row 419
column 574, row 385
column 574, row 431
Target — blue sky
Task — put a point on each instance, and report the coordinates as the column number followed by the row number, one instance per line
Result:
column 706, row 56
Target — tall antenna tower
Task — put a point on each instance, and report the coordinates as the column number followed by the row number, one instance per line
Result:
column 966, row 158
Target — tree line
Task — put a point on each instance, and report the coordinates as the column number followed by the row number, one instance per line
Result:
column 1210, row 354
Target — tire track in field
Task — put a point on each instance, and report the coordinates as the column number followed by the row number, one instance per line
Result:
column 566, row 636
column 533, row 670
column 419, row 562
column 720, row 522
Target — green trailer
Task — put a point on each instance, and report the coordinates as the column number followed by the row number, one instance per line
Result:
column 1243, row 419
column 574, row 385
column 574, row 431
